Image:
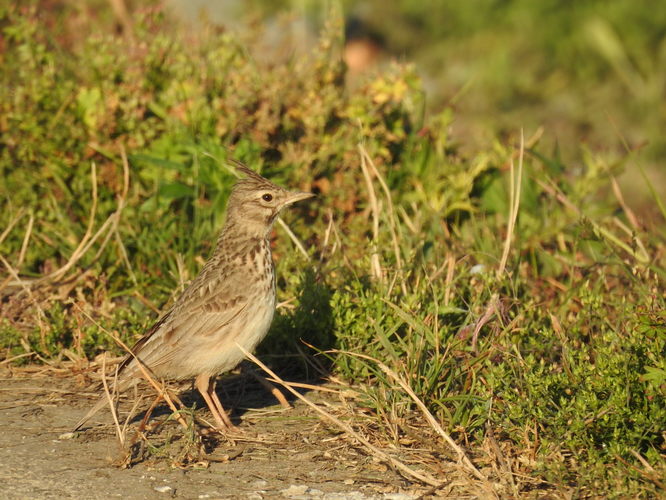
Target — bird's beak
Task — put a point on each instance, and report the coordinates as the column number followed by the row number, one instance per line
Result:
column 297, row 196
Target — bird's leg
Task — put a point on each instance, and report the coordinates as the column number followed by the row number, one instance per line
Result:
column 207, row 389
column 218, row 405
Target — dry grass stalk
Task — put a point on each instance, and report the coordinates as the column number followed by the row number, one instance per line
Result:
column 123, row 254
column 448, row 288
column 11, row 224
column 505, row 466
column 7, row 361
column 26, row 239
column 375, row 265
column 404, row 469
column 631, row 234
column 109, row 228
column 112, row 406
column 641, row 255
column 651, row 188
column 146, row 302
column 182, row 278
column 391, row 214
column 40, row 311
column 327, row 236
column 272, row 389
column 79, row 251
column 114, row 218
column 514, row 201
column 649, row 473
column 293, row 237
column 633, row 220
column 407, row 220
column 301, row 385
column 462, row 457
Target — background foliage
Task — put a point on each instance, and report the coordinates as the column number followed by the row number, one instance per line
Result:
column 558, row 351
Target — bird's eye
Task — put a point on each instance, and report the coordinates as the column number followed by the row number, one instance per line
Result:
column 267, row 197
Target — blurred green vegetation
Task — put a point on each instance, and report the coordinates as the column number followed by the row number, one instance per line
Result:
column 590, row 71
column 559, row 351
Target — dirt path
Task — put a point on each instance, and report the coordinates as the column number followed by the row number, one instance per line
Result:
column 287, row 454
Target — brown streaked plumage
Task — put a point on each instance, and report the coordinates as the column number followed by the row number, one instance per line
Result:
column 231, row 301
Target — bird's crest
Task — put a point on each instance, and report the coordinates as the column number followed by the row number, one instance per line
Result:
column 248, row 172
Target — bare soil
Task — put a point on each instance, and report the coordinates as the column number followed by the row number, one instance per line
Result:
column 282, row 453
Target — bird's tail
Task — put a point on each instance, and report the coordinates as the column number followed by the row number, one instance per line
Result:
column 101, row 403
column 126, row 376
column 120, row 384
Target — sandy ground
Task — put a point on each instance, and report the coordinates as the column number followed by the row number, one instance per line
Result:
column 282, row 453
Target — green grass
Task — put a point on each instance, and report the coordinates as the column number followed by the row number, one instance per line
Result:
column 557, row 352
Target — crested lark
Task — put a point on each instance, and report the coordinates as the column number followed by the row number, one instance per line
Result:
column 231, row 301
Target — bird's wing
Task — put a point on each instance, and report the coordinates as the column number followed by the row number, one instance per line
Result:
column 166, row 338
column 201, row 316
column 138, row 345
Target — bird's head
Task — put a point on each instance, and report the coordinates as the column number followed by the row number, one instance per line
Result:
column 255, row 202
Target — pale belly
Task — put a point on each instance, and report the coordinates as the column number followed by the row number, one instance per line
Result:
column 218, row 352
column 254, row 332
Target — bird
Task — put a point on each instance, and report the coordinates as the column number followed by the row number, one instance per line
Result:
column 231, row 302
